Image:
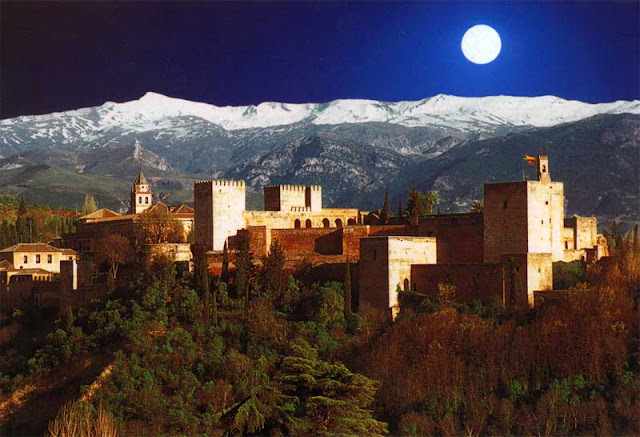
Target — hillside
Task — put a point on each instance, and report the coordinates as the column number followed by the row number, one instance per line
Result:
column 355, row 148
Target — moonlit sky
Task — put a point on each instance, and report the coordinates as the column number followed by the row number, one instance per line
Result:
column 60, row 56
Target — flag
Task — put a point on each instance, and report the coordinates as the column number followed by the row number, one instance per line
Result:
column 530, row 159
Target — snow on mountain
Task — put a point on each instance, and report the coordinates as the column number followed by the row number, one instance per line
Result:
column 154, row 111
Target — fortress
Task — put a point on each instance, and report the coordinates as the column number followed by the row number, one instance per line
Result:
column 505, row 252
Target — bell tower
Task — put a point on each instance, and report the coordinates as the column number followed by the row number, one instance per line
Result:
column 543, row 169
column 141, row 196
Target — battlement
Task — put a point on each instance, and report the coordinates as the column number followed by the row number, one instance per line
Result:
column 219, row 183
column 300, row 209
column 293, row 187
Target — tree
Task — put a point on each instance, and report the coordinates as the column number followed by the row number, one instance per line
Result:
column 274, row 279
column 416, row 206
column 224, row 273
column 384, row 213
column 158, row 226
column 431, row 198
column 115, row 250
column 320, row 398
column 347, row 290
column 89, row 204
column 206, row 311
column 400, row 211
column 477, row 206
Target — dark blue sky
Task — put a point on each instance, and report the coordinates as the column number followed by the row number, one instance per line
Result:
column 59, row 56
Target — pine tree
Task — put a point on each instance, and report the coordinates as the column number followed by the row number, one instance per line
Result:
column 347, row 291
column 385, row 214
column 400, row 211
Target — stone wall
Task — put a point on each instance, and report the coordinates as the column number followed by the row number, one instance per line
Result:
column 286, row 198
column 460, row 236
column 385, row 266
column 472, row 281
column 505, row 219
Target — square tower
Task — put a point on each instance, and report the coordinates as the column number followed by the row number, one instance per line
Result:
column 287, row 198
column 219, row 207
column 524, row 216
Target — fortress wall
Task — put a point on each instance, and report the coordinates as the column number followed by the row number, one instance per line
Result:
column 385, row 266
column 287, row 219
column 388, row 230
column 472, row 281
column 460, row 237
column 324, row 241
column 505, row 219
column 374, row 274
column 526, row 273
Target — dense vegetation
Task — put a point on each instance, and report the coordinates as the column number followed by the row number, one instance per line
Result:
column 22, row 222
column 260, row 351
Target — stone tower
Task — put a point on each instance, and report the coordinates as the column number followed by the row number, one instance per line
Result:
column 141, row 196
column 219, row 206
column 524, row 216
column 543, row 169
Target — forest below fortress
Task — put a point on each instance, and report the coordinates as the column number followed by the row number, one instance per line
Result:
column 255, row 349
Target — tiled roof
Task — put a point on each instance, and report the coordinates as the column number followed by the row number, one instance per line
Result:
column 69, row 252
column 141, row 179
column 6, row 265
column 101, row 213
column 31, row 247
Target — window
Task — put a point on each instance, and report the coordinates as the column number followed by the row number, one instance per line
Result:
column 505, row 204
column 49, row 258
column 38, row 259
column 146, row 200
column 326, row 223
column 296, row 224
column 544, row 168
column 25, row 259
column 307, row 224
column 140, row 199
column 338, row 223
column 546, row 202
column 542, row 222
column 374, row 255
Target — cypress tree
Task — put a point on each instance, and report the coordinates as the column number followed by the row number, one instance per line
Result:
column 400, row 212
column 214, row 302
column 224, row 274
column 4, row 231
column 347, row 290
column 385, row 214
column 206, row 313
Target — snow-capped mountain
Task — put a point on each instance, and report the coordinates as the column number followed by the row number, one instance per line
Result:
column 355, row 148
column 464, row 113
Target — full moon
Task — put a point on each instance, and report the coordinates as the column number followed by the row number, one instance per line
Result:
column 481, row 44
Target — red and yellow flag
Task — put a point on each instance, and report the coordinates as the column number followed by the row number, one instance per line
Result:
column 530, row 159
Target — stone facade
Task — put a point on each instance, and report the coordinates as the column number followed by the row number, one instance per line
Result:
column 385, row 267
column 505, row 252
column 220, row 213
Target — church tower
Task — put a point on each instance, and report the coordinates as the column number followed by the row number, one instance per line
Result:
column 141, row 196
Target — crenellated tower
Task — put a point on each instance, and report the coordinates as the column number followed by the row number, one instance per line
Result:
column 219, row 205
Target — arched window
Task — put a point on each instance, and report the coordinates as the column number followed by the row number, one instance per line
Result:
column 338, row 223
column 544, row 168
column 351, row 222
column 296, row 224
column 307, row 224
column 326, row 223
column 374, row 254
column 140, row 199
column 406, row 284
column 146, row 200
